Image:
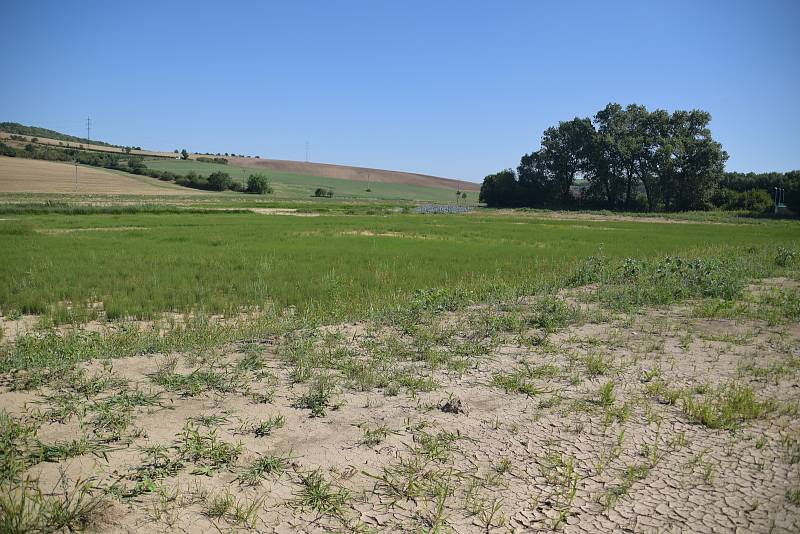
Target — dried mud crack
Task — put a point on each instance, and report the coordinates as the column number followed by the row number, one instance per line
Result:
column 547, row 413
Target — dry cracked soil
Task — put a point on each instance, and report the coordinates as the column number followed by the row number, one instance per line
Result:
column 494, row 418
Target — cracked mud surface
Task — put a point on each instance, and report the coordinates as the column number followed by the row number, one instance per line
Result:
column 537, row 440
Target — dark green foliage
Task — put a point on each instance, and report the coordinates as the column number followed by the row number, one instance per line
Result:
column 221, row 161
column 322, row 192
column 500, row 189
column 767, row 182
column 753, row 200
column 219, row 181
column 258, row 184
column 630, row 159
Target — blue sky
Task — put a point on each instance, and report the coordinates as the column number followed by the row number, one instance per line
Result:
column 452, row 88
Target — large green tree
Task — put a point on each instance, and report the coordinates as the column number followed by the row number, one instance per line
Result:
column 500, row 189
column 564, row 153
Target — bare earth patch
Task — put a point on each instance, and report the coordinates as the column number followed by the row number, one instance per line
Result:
column 493, row 418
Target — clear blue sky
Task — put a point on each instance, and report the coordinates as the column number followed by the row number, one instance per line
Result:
column 452, row 88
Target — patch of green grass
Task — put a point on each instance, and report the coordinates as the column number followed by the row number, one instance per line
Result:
column 265, row 428
column 516, row 382
column 224, row 262
column 726, row 406
column 18, row 445
column 198, row 381
column 319, row 396
column 264, row 466
column 321, row 496
column 24, row 507
column 207, row 450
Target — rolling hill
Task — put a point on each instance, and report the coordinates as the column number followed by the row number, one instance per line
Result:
column 279, row 167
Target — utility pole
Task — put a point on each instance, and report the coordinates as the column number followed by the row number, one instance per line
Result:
column 306, row 151
column 88, row 130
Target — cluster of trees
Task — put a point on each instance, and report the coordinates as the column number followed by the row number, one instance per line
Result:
column 323, row 192
column 740, row 186
column 221, row 161
column 624, row 159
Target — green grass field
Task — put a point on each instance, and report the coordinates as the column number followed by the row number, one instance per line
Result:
column 335, row 266
column 298, row 186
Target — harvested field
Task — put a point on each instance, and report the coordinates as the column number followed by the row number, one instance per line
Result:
column 18, row 175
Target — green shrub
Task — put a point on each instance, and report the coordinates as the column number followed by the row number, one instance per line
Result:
column 219, row 181
column 258, row 184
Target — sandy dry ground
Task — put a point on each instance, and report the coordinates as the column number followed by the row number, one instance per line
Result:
column 19, row 175
column 354, row 173
column 468, row 455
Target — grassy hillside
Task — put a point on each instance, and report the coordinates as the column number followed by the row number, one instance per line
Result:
column 290, row 185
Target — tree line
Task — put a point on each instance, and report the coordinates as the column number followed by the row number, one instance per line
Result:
column 216, row 181
column 633, row 159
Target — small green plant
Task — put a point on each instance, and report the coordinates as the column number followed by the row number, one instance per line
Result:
column 597, row 364
column 265, row 428
column 262, row 467
column 319, row 495
column 516, row 382
column 220, row 504
column 726, row 406
column 206, row 450
column 319, row 396
column 606, row 395
column 374, row 436
column 24, row 507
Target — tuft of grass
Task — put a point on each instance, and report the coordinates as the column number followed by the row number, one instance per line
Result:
column 321, row 496
column 606, row 395
column 516, row 382
column 207, row 450
column 319, row 396
column 24, row 507
column 726, row 406
column 374, row 436
column 18, row 446
column 597, row 364
column 265, row 428
column 263, row 466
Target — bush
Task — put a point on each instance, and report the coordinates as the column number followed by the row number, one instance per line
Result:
column 136, row 165
column 322, row 192
column 258, row 184
column 752, row 200
column 219, row 181
column 221, row 161
column 6, row 150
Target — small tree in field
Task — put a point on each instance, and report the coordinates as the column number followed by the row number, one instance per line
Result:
column 219, row 181
column 184, row 154
column 258, row 184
